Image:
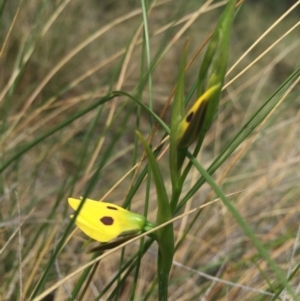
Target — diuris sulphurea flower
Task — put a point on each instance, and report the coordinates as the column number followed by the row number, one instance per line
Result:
column 106, row 221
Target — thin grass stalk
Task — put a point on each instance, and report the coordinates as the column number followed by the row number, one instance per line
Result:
column 54, row 130
column 243, row 133
column 243, row 224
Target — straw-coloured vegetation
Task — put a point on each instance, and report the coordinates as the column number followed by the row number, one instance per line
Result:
column 133, row 103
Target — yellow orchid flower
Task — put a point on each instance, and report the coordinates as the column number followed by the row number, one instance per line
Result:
column 192, row 124
column 105, row 221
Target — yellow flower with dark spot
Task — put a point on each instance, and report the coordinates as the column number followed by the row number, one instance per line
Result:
column 192, row 124
column 105, row 221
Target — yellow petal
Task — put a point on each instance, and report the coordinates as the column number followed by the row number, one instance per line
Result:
column 93, row 231
column 105, row 221
column 192, row 124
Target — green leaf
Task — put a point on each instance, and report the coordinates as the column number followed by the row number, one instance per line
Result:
column 213, row 68
column 165, row 235
column 177, row 156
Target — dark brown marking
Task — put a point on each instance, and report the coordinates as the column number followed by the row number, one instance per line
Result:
column 189, row 117
column 107, row 220
column 112, row 208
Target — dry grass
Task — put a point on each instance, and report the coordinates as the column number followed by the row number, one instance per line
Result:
column 59, row 58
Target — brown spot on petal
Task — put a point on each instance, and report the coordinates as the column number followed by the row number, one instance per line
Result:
column 112, row 208
column 107, row 220
column 189, row 117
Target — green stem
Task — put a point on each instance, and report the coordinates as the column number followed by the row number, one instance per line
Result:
column 176, row 191
column 165, row 235
column 163, row 281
